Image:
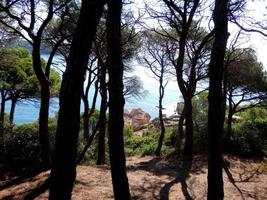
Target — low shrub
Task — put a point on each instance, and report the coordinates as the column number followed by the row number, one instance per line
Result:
column 249, row 139
column 22, row 148
column 22, row 144
column 136, row 145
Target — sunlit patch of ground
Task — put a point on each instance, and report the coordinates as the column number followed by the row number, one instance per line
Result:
column 153, row 178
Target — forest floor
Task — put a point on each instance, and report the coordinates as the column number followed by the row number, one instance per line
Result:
column 154, row 178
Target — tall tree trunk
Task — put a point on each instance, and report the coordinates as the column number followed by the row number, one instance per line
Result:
column 102, row 117
column 63, row 171
column 227, row 137
column 43, row 127
column 215, row 113
column 225, row 88
column 183, row 35
column 86, row 124
column 87, row 112
column 229, row 119
column 188, row 148
column 162, row 133
column 180, row 133
column 2, row 125
column 12, row 111
column 44, row 107
column 116, row 102
column 161, row 122
column 187, row 101
column 229, row 125
column 2, row 112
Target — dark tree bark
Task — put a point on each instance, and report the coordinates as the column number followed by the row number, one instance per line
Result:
column 161, row 122
column 189, row 94
column 188, row 148
column 102, row 116
column 87, row 111
column 86, row 124
column 116, row 102
column 2, row 112
column 44, row 104
column 89, row 143
column 2, row 124
column 182, row 17
column 87, row 117
column 63, row 171
column 12, row 111
column 34, row 36
column 180, row 132
column 229, row 118
column 180, row 81
column 225, row 87
column 157, row 60
column 215, row 114
column 186, row 14
column 43, row 127
column 225, row 90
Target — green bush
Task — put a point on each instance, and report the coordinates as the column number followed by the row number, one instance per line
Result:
column 170, row 136
column 249, row 139
column 22, row 146
column 91, row 154
column 200, row 120
column 137, row 145
column 146, row 145
column 128, row 131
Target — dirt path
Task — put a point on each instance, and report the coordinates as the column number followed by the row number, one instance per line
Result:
column 152, row 178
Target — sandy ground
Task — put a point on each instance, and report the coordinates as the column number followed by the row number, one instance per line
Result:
column 153, row 178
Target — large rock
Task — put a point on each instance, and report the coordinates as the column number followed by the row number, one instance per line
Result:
column 137, row 118
column 127, row 117
column 168, row 121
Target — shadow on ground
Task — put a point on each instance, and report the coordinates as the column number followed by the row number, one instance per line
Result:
column 175, row 169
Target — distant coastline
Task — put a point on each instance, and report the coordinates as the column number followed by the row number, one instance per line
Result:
column 27, row 112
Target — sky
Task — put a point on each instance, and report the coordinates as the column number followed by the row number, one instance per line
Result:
column 256, row 10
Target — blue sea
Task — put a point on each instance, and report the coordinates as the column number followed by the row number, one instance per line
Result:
column 27, row 112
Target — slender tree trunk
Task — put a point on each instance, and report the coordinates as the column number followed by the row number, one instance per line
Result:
column 44, row 106
column 179, row 74
column 12, row 112
column 63, row 171
column 43, row 127
column 228, row 134
column 180, row 134
column 102, row 117
column 227, row 137
column 162, row 133
column 188, row 148
column 229, row 119
column 87, row 112
column 229, row 125
column 86, row 124
column 2, row 112
column 215, row 113
column 116, row 103
column 161, row 122
column 2, row 125
column 225, row 88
